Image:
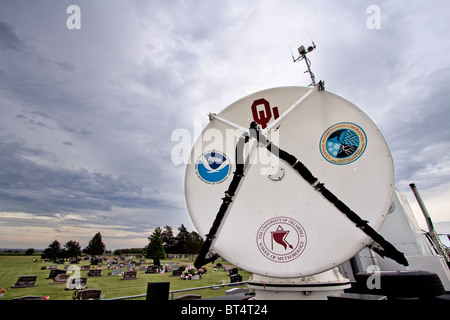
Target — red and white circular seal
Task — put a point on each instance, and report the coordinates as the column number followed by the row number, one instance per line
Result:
column 281, row 239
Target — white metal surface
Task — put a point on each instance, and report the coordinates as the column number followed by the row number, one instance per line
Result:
column 283, row 227
column 315, row 287
column 403, row 231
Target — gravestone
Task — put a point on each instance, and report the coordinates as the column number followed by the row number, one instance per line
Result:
column 235, row 278
column 117, row 272
column 233, row 271
column 29, row 298
column 60, row 279
column 153, row 269
column 129, row 275
column 175, row 267
column 94, row 273
column 25, row 282
column 88, row 294
column 85, row 268
column 75, row 283
column 177, row 273
column 55, row 272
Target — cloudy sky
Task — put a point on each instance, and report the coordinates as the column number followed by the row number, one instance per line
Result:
column 87, row 114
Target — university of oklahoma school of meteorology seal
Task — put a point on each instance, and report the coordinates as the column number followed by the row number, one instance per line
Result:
column 343, row 143
column 281, row 239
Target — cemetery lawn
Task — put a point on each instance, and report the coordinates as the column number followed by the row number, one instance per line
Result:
column 11, row 267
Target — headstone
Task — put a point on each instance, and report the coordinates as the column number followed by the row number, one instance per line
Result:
column 94, row 273
column 29, row 298
column 25, row 282
column 235, row 278
column 76, row 283
column 177, row 273
column 232, row 271
column 142, row 268
column 88, row 294
column 60, row 279
column 117, row 272
column 55, row 272
column 153, row 269
column 85, row 268
column 129, row 275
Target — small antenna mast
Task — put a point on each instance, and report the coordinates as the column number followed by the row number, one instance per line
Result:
column 302, row 56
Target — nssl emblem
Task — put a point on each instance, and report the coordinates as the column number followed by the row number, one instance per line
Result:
column 281, row 239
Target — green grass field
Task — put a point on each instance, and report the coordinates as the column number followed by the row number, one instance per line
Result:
column 112, row 286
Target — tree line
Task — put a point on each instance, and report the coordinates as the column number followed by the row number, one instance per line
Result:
column 162, row 241
column 72, row 249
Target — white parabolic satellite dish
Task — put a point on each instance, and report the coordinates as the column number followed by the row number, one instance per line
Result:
column 277, row 224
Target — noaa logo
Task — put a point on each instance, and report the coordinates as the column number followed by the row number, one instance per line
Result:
column 343, row 143
column 281, row 239
column 213, row 167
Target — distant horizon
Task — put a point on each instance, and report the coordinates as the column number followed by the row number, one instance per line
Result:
column 436, row 225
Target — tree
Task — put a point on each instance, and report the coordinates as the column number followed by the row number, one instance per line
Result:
column 72, row 249
column 193, row 243
column 53, row 252
column 29, row 252
column 155, row 249
column 168, row 240
column 96, row 246
column 181, row 238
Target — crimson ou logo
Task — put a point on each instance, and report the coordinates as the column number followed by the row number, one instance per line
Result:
column 262, row 115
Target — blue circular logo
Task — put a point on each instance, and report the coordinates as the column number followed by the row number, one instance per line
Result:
column 213, row 167
column 343, row 143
